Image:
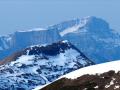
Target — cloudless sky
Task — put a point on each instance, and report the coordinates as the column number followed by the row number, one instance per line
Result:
column 27, row 14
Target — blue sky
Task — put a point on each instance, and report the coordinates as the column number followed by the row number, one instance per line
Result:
column 27, row 14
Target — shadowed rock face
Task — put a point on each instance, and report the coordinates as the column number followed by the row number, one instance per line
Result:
column 106, row 81
column 50, row 50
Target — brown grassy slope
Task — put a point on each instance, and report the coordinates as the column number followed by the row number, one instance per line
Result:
column 10, row 58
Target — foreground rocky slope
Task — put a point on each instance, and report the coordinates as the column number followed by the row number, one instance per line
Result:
column 91, row 35
column 97, row 77
column 106, row 81
column 39, row 65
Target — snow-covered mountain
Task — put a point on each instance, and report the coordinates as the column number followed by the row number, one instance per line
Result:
column 97, row 77
column 91, row 35
column 39, row 65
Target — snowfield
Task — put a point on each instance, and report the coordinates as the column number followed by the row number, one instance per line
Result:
column 95, row 69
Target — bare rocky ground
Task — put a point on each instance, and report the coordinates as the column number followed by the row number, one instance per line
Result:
column 106, row 81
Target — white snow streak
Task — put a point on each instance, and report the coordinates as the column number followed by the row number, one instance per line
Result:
column 100, row 68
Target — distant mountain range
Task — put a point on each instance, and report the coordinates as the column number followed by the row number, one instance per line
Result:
column 40, row 65
column 97, row 77
column 90, row 35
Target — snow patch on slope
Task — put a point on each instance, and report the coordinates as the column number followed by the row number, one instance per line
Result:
column 76, row 27
column 100, row 68
column 70, row 30
column 24, row 59
column 34, row 29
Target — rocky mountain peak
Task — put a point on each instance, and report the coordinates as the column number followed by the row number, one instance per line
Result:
column 40, row 65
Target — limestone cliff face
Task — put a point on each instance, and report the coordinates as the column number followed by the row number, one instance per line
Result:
column 23, row 39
